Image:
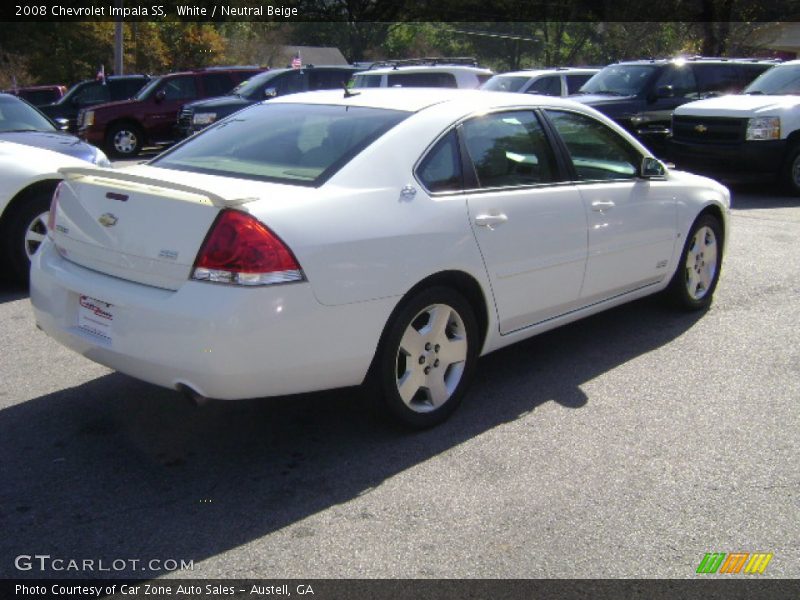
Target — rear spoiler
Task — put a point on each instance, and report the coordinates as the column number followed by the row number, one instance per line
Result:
column 121, row 179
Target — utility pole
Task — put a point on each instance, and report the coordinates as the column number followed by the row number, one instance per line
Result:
column 118, row 44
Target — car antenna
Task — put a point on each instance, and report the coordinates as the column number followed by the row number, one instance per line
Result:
column 347, row 92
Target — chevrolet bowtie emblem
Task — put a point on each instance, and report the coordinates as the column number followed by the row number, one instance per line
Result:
column 700, row 128
column 107, row 220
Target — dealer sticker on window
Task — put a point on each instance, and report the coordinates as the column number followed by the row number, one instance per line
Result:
column 95, row 316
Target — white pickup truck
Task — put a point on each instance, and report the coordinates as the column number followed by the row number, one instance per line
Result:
column 754, row 135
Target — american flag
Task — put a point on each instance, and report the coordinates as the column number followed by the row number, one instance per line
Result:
column 297, row 62
column 101, row 74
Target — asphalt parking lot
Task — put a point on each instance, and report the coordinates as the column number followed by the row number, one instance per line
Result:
column 626, row 445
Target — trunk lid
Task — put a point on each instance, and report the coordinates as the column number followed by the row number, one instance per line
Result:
column 133, row 226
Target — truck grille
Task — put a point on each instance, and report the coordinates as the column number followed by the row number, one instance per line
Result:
column 708, row 130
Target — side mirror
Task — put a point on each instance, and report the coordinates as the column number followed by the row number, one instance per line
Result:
column 270, row 92
column 160, row 95
column 62, row 124
column 652, row 168
column 665, row 91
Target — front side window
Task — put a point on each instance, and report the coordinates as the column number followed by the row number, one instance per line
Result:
column 440, row 170
column 598, row 152
column 180, row 88
column 286, row 143
column 679, row 79
column 509, row 149
column 93, row 93
column 575, row 82
column 549, row 86
column 620, row 80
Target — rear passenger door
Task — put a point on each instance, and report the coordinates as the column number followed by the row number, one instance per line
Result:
column 529, row 223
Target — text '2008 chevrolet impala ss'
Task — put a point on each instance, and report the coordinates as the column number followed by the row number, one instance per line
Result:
column 388, row 237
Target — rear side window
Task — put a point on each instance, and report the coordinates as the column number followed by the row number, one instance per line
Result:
column 287, row 143
column 549, row 86
column 717, row 79
column 440, row 170
column 292, row 82
column 421, row 80
column 509, row 149
column 367, row 81
column 598, row 152
column 217, row 84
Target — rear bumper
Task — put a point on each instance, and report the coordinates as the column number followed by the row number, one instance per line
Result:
column 221, row 341
column 746, row 161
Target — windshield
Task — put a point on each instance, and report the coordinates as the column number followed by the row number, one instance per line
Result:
column 251, row 88
column 505, row 83
column 301, row 144
column 777, row 80
column 619, row 80
column 15, row 115
column 145, row 92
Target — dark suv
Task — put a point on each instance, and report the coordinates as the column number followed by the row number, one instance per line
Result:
column 277, row 82
column 91, row 92
column 641, row 95
column 124, row 128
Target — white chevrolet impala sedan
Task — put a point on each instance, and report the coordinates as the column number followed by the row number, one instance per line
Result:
column 388, row 237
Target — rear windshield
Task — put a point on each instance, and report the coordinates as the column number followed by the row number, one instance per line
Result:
column 506, row 83
column 301, row 144
column 777, row 81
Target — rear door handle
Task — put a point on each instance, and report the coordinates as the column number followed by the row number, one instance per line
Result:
column 490, row 221
column 602, row 205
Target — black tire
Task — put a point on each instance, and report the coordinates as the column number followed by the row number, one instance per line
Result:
column 435, row 372
column 696, row 277
column 29, row 213
column 124, row 140
column 790, row 175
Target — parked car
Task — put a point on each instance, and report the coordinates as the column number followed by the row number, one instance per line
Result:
column 440, row 72
column 31, row 152
column 749, row 137
column 641, row 95
column 559, row 81
column 39, row 95
column 124, row 128
column 278, row 82
column 28, row 176
column 388, row 237
column 91, row 92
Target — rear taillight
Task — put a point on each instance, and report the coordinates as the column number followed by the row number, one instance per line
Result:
column 51, row 216
column 241, row 250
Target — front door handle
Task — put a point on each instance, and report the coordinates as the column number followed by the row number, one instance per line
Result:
column 490, row 221
column 602, row 205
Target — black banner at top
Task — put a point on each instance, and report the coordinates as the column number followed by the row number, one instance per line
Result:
column 399, row 10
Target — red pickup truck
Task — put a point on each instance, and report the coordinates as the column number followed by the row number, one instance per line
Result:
column 148, row 119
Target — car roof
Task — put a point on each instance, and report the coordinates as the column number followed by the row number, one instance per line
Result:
column 550, row 71
column 698, row 59
column 426, row 69
column 417, row 99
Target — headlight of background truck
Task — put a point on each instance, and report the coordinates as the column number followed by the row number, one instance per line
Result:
column 204, row 118
column 763, row 128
